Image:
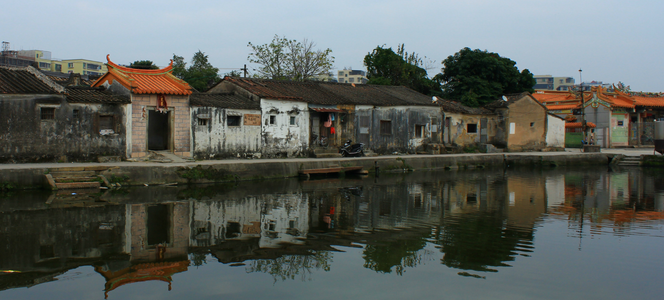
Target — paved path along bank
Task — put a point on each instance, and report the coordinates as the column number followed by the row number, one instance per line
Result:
column 25, row 176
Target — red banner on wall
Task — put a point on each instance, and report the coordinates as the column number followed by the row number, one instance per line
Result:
column 161, row 102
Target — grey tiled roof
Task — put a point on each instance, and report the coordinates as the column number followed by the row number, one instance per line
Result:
column 25, row 81
column 94, row 95
column 223, row 100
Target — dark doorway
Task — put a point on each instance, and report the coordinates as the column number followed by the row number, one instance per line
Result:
column 158, row 225
column 158, row 130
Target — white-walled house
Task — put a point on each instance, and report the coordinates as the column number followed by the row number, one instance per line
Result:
column 225, row 125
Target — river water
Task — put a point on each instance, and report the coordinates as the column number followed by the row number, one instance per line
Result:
column 488, row 234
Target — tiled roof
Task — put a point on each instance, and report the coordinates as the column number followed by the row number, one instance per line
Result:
column 578, row 125
column 326, row 93
column 649, row 101
column 26, row 80
column 223, row 100
column 141, row 81
column 456, row 107
column 508, row 99
column 94, row 95
column 562, row 106
column 65, row 79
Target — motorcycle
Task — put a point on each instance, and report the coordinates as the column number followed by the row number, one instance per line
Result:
column 350, row 149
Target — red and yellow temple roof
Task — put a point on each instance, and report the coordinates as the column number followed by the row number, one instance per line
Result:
column 142, row 81
column 567, row 100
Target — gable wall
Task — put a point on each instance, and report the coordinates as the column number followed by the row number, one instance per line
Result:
column 529, row 120
column 281, row 138
column 180, row 127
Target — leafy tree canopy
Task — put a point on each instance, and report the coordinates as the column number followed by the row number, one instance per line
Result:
column 476, row 77
column 285, row 59
column 386, row 67
column 200, row 75
column 143, row 64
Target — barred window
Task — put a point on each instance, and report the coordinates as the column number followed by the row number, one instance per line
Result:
column 47, row 113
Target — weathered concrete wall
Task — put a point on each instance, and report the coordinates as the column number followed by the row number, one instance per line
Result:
column 393, row 129
column 456, row 130
column 218, row 140
column 527, row 124
column 555, row 133
column 72, row 135
column 619, row 129
column 280, row 137
column 179, row 123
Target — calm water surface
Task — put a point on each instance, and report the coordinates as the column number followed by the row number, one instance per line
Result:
column 492, row 234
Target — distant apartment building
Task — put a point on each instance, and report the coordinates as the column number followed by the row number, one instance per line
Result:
column 352, row 76
column 42, row 59
column 548, row 82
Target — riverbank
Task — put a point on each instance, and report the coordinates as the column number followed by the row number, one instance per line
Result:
column 32, row 176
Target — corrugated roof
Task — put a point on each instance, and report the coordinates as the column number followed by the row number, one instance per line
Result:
column 223, row 100
column 26, row 80
column 141, row 81
column 94, row 95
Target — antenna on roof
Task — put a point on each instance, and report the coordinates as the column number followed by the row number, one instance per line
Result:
column 504, row 98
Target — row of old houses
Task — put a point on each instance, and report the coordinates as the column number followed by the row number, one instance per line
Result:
column 131, row 113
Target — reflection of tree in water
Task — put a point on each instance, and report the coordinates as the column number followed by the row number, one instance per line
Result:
column 292, row 266
column 480, row 240
column 398, row 253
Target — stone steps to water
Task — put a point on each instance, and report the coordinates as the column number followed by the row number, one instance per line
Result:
column 630, row 161
column 73, row 178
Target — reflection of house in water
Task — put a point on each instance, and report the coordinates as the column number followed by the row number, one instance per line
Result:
column 271, row 218
column 618, row 198
column 125, row 243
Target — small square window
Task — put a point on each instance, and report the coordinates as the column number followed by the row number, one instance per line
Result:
column 202, row 122
column 273, row 120
column 471, row 128
column 532, row 124
column 386, row 127
column 76, row 114
column 47, row 113
column 292, row 121
column 106, row 123
column 70, row 65
column 233, row 120
column 620, row 123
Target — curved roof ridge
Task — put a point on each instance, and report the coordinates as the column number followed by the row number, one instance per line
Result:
column 167, row 69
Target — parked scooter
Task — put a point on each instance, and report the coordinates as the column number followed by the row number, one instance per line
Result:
column 350, row 149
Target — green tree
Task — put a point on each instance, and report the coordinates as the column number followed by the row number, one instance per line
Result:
column 285, row 59
column 386, row 67
column 200, row 75
column 477, row 77
column 143, row 64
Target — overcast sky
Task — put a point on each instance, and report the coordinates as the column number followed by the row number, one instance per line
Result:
column 610, row 40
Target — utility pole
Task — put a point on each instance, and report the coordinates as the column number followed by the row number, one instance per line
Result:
column 583, row 109
column 245, row 70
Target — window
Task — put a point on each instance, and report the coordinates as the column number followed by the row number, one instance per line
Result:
column 471, row 128
column 418, row 131
column 70, row 65
column 351, row 79
column 233, row 120
column 75, row 114
column 202, row 122
column 273, row 120
column 292, row 121
column 106, row 123
column 47, row 113
column 532, row 124
column 58, row 68
column 386, row 127
column 620, row 123
column 85, row 65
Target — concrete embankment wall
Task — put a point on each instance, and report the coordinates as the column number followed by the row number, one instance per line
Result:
column 222, row 171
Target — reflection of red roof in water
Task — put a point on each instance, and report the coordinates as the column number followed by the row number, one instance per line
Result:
column 620, row 217
column 161, row 271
